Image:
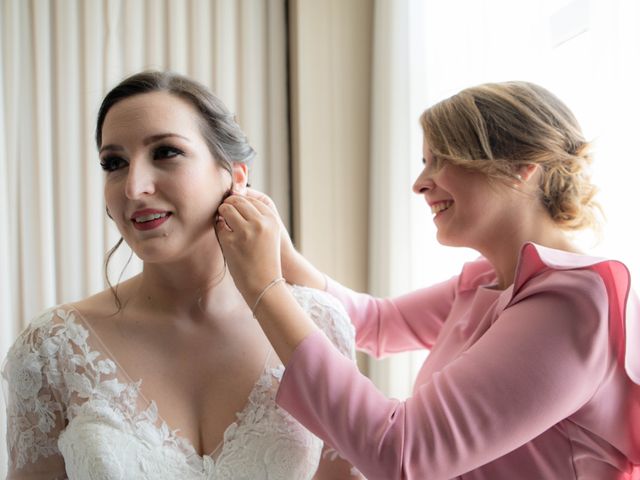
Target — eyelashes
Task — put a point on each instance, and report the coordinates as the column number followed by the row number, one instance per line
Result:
column 434, row 164
column 111, row 163
column 166, row 152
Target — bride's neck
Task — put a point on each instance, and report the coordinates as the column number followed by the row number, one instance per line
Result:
column 186, row 287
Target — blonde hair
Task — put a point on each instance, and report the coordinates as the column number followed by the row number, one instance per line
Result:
column 496, row 128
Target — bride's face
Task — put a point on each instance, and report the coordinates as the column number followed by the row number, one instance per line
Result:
column 163, row 185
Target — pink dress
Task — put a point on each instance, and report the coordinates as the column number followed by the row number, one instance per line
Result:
column 539, row 381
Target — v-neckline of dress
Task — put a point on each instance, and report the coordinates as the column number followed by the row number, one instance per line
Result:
column 180, row 442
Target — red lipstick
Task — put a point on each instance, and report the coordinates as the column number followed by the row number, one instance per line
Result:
column 149, row 218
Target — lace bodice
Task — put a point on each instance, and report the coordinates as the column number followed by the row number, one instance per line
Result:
column 73, row 412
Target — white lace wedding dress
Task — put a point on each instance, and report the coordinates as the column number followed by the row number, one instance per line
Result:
column 74, row 413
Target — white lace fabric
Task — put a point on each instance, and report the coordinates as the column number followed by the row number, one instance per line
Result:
column 74, row 413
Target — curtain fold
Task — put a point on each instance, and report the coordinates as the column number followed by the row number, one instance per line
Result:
column 57, row 61
column 396, row 139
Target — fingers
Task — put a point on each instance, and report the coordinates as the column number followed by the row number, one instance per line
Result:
column 262, row 207
column 263, row 197
column 248, row 208
column 219, row 219
column 250, row 243
column 223, row 230
column 230, row 217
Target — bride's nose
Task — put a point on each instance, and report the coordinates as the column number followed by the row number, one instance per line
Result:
column 140, row 180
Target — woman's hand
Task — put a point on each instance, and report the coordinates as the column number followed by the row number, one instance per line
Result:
column 249, row 233
column 296, row 269
column 287, row 250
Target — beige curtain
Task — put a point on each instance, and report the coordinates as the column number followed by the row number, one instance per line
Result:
column 57, row 60
column 357, row 73
column 398, row 86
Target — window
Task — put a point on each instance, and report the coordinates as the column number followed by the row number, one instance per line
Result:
column 585, row 51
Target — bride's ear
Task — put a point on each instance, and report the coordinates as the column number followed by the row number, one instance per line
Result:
column 239, row 177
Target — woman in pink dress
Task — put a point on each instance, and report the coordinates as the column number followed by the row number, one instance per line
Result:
column 534, row 369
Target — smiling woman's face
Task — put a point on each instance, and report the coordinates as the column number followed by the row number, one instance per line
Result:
column 162, row 185
column 468, row 210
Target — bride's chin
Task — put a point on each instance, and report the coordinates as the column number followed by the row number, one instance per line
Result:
column 162, row 255
column 152, row 253
column 169, row 249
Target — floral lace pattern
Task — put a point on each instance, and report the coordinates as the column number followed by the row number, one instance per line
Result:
column 71, row 414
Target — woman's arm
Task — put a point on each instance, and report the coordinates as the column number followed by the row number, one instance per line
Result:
column 536, row 365
column 540, row 362
column 389, row 325
column 383, row 325
column 250, row 235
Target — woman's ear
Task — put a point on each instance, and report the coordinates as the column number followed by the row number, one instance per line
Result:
column 239, row 177
column 526, row 171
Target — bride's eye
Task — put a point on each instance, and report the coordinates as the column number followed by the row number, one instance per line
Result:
column 112, row 163
column 166, row 152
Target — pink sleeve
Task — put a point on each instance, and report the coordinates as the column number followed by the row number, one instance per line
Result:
column 539, row 363
column 408, row 322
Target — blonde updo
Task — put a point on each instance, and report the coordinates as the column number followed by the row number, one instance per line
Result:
column 496, row 128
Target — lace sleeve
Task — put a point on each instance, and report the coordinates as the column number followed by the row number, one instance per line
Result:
column 35, row 415
column 332, row 318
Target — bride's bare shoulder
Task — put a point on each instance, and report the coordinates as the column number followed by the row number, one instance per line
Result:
column 107, row 302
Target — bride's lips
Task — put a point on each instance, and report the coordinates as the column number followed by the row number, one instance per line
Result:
column 149, row 218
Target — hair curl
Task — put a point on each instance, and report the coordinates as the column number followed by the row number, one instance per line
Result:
column 497, row 128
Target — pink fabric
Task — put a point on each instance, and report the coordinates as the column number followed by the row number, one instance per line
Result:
column 526, row 383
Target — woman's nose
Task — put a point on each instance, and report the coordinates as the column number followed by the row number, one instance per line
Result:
column 424, row 182
column 140, row 180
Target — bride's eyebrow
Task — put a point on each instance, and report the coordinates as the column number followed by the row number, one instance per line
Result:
column 116, row 148
column 147, row 141
column 161, row 136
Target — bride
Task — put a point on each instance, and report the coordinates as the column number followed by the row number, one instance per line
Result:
column 166, row 375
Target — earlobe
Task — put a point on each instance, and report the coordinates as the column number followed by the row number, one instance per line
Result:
column 239, row 176
column 526, row 172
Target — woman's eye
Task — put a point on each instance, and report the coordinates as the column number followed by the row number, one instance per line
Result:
column 111, row 164
column 437, row 163
column 166, row 152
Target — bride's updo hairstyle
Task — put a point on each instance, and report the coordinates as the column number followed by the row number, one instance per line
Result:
column 496, row 128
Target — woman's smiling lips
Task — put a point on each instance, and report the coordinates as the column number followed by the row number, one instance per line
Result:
column 440, row 206
column 149, row 218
